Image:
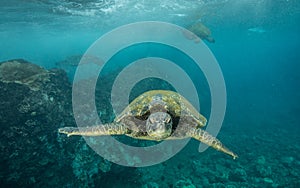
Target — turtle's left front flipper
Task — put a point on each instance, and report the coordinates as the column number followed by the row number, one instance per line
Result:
column 205, row 137
column 99, row 130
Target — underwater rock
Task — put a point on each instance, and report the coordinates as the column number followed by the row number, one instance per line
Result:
column 153, row 174
column 87, row 164
column 287, row 160
column 261, row 160
column 187, row 183
column 24, row 73
column 34, row 103
column 150, row 185
column 238, row 175
column 268, row 180
column 264, row 171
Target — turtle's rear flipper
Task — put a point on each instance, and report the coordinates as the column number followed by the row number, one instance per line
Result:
column 99, row 130
column 206, row 138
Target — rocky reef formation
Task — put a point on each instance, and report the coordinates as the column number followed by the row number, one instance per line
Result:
column 256, row 167
column 34, row 103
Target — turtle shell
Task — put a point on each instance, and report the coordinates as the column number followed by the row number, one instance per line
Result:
column 201, row 31
column 182, row 112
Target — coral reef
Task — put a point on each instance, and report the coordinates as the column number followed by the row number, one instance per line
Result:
column 24, row 73
column 34, row 103
column 87, row 164
column 255, row 168
column 187, row 183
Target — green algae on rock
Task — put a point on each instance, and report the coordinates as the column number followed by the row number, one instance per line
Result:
column 34, row 102
column 22, row 72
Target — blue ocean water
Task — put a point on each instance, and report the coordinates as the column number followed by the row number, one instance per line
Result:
column 257, row 48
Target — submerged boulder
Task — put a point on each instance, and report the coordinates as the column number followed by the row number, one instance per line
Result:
column 184, row 183
column 24, row 73
column 34, row 103
column 33, row 96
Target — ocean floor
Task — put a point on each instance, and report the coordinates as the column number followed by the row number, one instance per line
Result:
column 33, row 154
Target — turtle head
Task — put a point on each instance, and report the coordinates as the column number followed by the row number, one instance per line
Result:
column 159, row 125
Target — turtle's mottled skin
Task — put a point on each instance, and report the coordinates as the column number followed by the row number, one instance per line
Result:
column 156, row 115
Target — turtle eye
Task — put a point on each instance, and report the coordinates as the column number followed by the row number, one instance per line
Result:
column 151, row 120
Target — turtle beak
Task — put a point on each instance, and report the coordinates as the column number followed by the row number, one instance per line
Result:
column 159, row 125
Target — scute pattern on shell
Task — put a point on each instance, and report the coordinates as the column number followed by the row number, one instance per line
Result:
column 175, row 104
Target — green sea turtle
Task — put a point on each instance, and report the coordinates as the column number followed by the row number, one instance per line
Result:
column 201, row 31
column 156, row 115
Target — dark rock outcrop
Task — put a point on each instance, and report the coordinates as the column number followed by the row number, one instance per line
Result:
column 34, row 103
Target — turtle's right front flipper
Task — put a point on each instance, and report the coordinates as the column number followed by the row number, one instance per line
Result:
column 210, row 140
column 99, row 130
